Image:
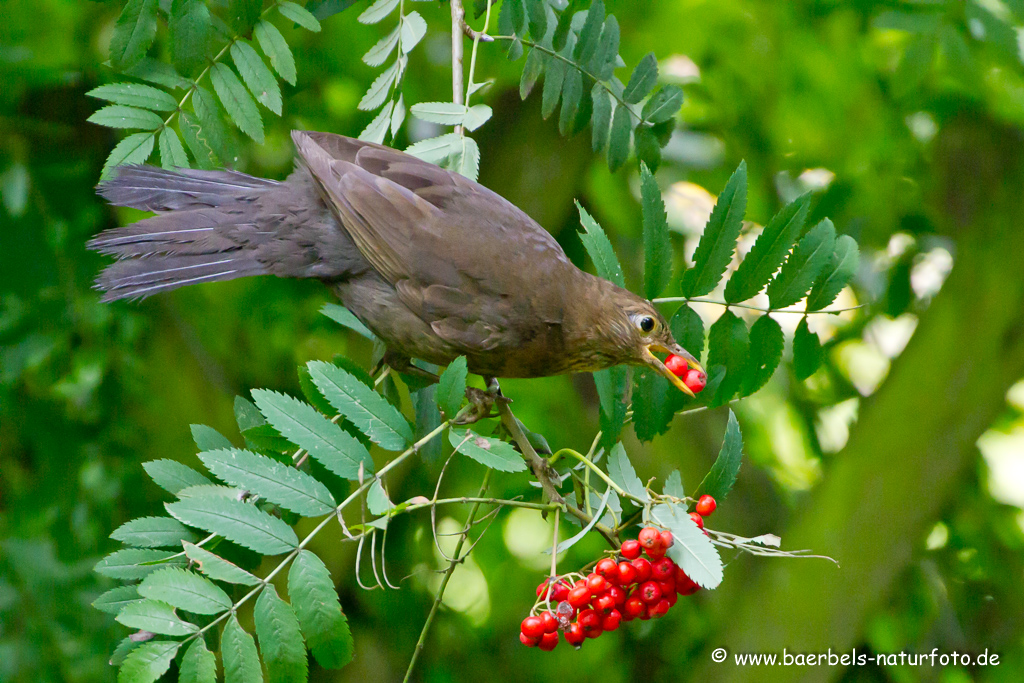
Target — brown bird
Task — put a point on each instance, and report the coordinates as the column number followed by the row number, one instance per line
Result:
column 433, row 263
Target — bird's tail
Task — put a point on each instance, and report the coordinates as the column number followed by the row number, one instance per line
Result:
column 205, row 230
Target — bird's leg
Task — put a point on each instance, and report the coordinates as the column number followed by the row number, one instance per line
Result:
column 401, row 363
column 480, row 404
column 545, row 474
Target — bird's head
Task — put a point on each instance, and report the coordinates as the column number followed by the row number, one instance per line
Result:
column 639, row 331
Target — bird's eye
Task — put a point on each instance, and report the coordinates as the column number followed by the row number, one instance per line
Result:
column 646, row 323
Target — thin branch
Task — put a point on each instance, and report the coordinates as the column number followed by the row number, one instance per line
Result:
column 541, row 469
column 698, row 300
column 458, row 21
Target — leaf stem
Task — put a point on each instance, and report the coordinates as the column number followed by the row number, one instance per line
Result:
column 697, row 300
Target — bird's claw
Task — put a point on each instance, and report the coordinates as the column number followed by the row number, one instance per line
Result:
column 480, row 405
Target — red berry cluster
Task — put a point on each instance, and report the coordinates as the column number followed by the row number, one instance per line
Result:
column 618, row 590
column 693, row 378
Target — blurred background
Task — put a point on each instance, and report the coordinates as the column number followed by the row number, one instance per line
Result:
column 902, row 457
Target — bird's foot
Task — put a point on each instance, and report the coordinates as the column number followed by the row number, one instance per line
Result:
column 480, row 405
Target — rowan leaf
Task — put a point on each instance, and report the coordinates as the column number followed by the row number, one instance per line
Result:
column 722, row 475
column 489, row 452
column 664, row 105
column 114, row 599
column 622, row 473
column 153, row 532
column 601, row 120
column 380, row 89
column 841, row 268
column 377, row 11
column 532, row 70
column 217, row 568
column 642, row 80
column 344, row 317
column 237, row 102
column 134, row 149
column 728, row 346
column 199, row 665
column 208, row 438
column 717, row 244
column 804, row 266
column 379, row 53
column 321, row 620
column 768, row 252
column 133, row 33
column 299, row 15
column 135, row 95
column 280, row 638
column 172, row 476
column 596, row 242
column 590, row 34
column 688, row 330
column 275, row 47
column 451, row 389
column 190, row 27
column 130, row 564
column 239, row 522
column 238, row 653
column 690, row 549
column 807, row 352
column 413, row 30
column 657, row 244
column 185, row 590
column 766, row 344
column 367, row 410
column 257, row 75
column 172, row 154
column 147, row 662
column 619, row 137
column 156, row 617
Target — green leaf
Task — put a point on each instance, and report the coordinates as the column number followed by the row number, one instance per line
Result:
column 135, row 95
column 284, row 652
column 247, row 415
column 120, row 116
column 606, row 56
column 276, row 482
column 674, row 485
column 476, row 116
column 379, row 53
column 691, row 549
column 648, row 146
column 717, row 244
column 532, row 70
column 841, row 268
column 601, row 121
column 197, row 140
column 156, row 617
column 622, row 473
column 211, row 116
column 185, row 590
column 766, row 343
column 435, row 150
column 367, row 410
column 804, row 266
column 236, row 521
column 238, row 652
column 328, row 443
column 114, row 599
column 653, row 407
column 133, row 33
column 161, row 73
column 275, row 47
column 237, row 102
column 379, row 90
column 537, row 18
column 344, row 317
column 257, row 75
column 127, row 564
column 807, row 351
column 664, row 105
column 243, row 15
column 657, row 245
column 172, row 476
column 428, row 418
column 413, row 30
column 377, row 11
column 590, row 34
column 134, row 149
column 728, row 345
column 147, row 662
column 199, row 665
column 643, row 79
column 768, row 251
column 377, row 499
column 600, row 249
column 688, row 330
column 315, row 602
column 190, row 27
column 299, row 15
column 153, row 532
column 619, row 138
column 598, row 514
column 208, row 438
column 172, row 154
column 611, row 390
column 217, row 568
column 553, row 77
column 216, row 491
column 451, row 389
column 464, row 158
column 488, row 452
column 720, row 479
column 123, row 649
column 572, row 92
column 445, row 113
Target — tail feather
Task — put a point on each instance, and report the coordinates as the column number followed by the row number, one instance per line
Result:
column 141, row 277
column 156, row 189
column 200, row 231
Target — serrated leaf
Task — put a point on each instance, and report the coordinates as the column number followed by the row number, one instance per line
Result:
column 652, row 408
column 766, row 344
column 572, row 93
column 156, row 617
column 657, row 244
column 208, row 438
column 451, row 388
column 281, row 643
column 315, row 602
column 476, row 116
column 537, row 18
column 147, row 662
column 238, row 653
column 601, row 120
column 728, row 346
column 135, row 95
column 329, row 444
column 664, row 105
column 211, row 116
column 688, row 330
column 642, row 80
column 196, row 139
column 257, row 75
column 622, row 473
column 444, row 113
column 606, row 56
column 236, row 521
column 228, row 492
column 488, row 452
column 590, row 34
column 619, row 138
column 552, row 91
column 185, row 590
column 243, row 15
column 120, row 116
column 599, row 248
column 807, row 352
column 299, row 15
column 123, row 649
column 674, row 485
column 133, row 33
column 598, row 513
column 768, row 252
column 172, row 154
column 691, row 549
column 377, row 499
column 247, row 415
column 397, row 116
column 153, row 532
column 367, row 410
column 379, row 53
column 190, row 27
column 428, row 418
column 804, row 266
column 841, row 268
column 114, row 599
column 464, row 158
column 345, row 317
column 648, row 146
column 532, row 70
column 161, row 73
column 134, row 149
column 435, row 150
column 199, row 665
column 280, row 484
column 217, row 568
column 717, row 244
column 379, row 90
column 413, row 30
column 236, row 100
column 377, row 11
column 611, row 389
column 172, row 476
column 275, row 47
column 720, row 479
column 127, row 564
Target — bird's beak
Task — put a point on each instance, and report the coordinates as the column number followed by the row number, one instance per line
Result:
column 677, row 350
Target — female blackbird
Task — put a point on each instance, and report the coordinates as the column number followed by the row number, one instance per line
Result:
column 433, row 263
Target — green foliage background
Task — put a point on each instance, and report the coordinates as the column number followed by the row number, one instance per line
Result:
column 922, row 128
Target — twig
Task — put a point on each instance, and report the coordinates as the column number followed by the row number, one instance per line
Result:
column 554, row 548
column 698, row 300
column 541, row 469
column 458, row 21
